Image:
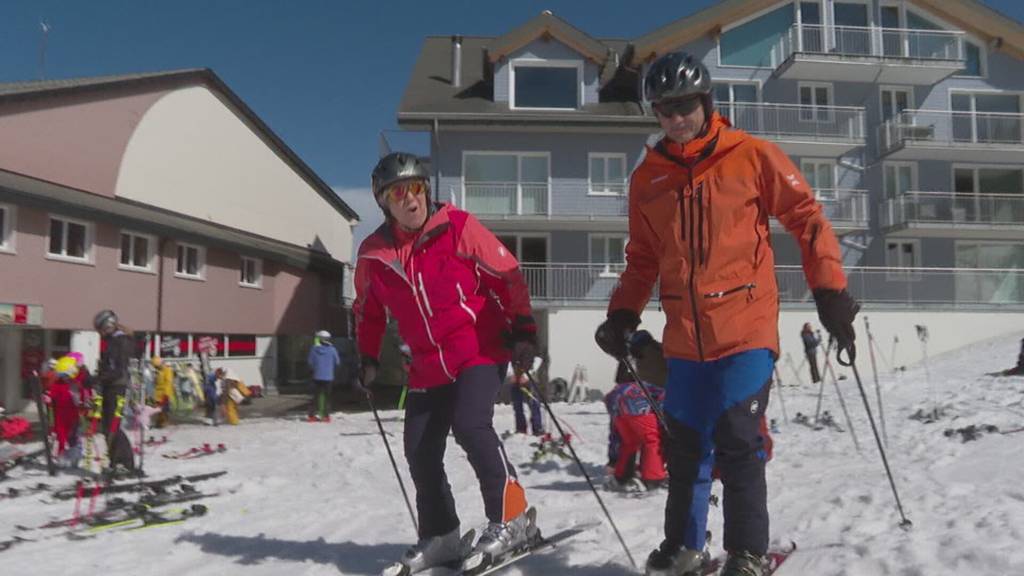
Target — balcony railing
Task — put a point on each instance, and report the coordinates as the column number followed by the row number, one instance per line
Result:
column 795, row 121
column 592, row 284
column 953, row 208
column 857, row 42
column 505, row 198
column 948, row 128
column 844, row 207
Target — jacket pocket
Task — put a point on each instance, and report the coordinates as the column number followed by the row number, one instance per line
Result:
column 462, row 302
column 749, row 287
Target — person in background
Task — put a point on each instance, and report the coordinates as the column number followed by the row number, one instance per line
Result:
column 521, row 392
column 323, row 360
column 163, row 392
column 212, row 388
column 113, row 377
column 811, row 342
column 235, row 392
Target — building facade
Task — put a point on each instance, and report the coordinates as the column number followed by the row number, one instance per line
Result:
column 904, row 115
column 164, row 198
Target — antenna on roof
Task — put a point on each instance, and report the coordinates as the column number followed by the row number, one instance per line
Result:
column 45, row 27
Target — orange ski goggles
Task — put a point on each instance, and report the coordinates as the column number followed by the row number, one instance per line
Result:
column 397, row 192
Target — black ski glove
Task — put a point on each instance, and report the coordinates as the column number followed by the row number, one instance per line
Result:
column 367, row 374
column 522, row 339
column 613, row 334
column 837, row 309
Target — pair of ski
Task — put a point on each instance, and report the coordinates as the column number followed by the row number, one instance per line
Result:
column 197, row 452
column 120, row 506
column 491, row 566
column 151, row 485
column 773, row 560
column 139, row 518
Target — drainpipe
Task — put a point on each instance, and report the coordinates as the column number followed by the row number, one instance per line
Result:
column 160, row 285
column 456, row 61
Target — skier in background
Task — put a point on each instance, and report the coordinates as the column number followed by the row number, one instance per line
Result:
column 323, row 360
column 459, row 298
column 113, row 377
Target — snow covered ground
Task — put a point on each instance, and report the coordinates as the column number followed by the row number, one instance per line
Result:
column 322, row 499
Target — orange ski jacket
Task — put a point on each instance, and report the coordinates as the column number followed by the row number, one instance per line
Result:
column 698, row 227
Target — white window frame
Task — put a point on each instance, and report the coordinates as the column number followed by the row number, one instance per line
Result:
column 151, row 246
column 897, row 164
column 604, row 237
column 830, row 91
column 911, row 102
column 90, row 235
column 898, row 274
column 200, row 261
column 606, row 156
column 941, row 23
column 519, row 173
column 519, row 236
column 543, row 63
column 9, row 220
column 974, row 105
column 257, row 271
column 831, row 163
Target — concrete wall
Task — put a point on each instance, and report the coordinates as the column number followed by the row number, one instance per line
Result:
column 570, row 338
column 192, row 154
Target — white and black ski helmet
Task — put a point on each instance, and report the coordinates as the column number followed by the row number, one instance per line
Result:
column 677, row 75
column 104, row 318
column 396, row 167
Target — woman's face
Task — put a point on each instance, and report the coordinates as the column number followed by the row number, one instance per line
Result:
column 407, row 203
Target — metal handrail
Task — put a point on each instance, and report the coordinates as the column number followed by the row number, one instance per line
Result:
column 951, row 127
column 796, row 121
column 953, row 208
column 874, row 41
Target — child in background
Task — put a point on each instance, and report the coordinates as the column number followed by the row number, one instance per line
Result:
column 64, row 408
column 211, row 393
column 235, row 392
column 163, row 393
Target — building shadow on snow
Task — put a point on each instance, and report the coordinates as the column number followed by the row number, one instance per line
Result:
column 349, row 557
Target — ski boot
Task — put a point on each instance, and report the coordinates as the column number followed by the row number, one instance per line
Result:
column 671, row 560
column 743, row 564
column 629, row 485
column 501, row 540
column 445, row 550
column 652, row 485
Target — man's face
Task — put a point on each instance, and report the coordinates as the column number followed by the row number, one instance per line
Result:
column 681, row 119
column 407, row 203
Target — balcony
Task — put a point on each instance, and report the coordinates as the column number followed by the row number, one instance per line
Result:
column 564, row 204
column 846, row 209
column 955, row 136
column 590, row 285
column 868, row 54
column 800, row 130
column 501, row 199
column 944, row 214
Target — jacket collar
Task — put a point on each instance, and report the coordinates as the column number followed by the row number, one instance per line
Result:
column 718, row 137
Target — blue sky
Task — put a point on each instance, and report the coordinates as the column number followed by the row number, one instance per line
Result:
column 326, row 75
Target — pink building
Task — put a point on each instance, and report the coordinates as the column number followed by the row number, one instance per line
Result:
column 165, row 198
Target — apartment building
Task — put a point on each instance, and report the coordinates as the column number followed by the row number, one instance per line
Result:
column 904, row 115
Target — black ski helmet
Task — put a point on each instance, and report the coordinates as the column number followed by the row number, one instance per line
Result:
column 103, row 319
column 396, row 167
column 678, row 75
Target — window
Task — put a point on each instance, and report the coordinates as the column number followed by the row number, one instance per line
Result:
column 608, row 250
column 972, row 55
column 212, row 344
column 754, row 42
column 821, row 175
column 251, row 272
column 70, row 239
column 136, row 251
column 989, row 287
column 903, row 254
column 607, row 174
column 174, row 345
column 986, row 118
column 900, row 178
column 6, row 228
column 815, row 102
column 546, row 84
column 734, row 101
column 241, row 345
column 894, row 101
column 190, row 261
column 505, row 183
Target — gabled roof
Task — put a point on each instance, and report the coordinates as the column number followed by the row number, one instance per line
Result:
column 21, row 91
column 548, row 25
column 971, row 16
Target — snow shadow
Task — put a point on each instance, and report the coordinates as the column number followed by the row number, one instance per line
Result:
column 349, row 557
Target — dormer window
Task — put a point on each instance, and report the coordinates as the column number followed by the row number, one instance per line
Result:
column 546, row 84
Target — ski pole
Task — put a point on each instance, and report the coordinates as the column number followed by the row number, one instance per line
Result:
column 842, row 403
column 792, row 366
column 905, row 523
column 576, row 458
column 778, row 380
column 564, row 423
column 655, row 407
column 878, row 387
column 394, row 465
column 821, row 380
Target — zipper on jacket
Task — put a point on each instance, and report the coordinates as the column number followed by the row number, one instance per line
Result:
column 462, row 302
column 693, row 271
column 723, row 293
column 426, row 323
column 700, row 223
column 423, row 290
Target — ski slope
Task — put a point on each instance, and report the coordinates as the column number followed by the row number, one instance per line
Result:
column 321, row 499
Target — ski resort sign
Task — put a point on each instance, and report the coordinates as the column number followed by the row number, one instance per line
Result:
column 21, row 314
